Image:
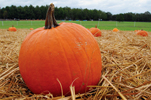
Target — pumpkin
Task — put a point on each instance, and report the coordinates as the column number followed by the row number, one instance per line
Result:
column 136, row 30
column 115, row 30
column 57, row 55
column 142, row 33
column 95, row 31
column 31, row 29
column 12, row 28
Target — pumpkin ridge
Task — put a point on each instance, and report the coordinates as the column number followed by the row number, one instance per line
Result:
column 47, row 47
column 64, row 30
column 88, row 67
column 65, row 55
column 89, row 60
column 49, row 52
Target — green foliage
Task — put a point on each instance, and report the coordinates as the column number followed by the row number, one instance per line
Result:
column 5, row 14
column 109, row 16
column 120, row 18
column 66, row 13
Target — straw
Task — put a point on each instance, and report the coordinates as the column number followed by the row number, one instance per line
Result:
column 115, row 88
column 126, row 68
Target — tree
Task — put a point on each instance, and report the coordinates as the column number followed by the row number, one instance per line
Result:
column 103, row 15
column 43, row 10
column 59, row 13
column 67, row 13
column 26, row 12
column 120, row 17
column 74, row 14
column 12, row 13
column 5, row 14
column 147, row 13
column 0, row 13
column 31, row 12
column 86, row 14
column 37, row 13
column 79, row 14
column 109, row 16
column 94, row 14
column 147, row 16
column 21, row 12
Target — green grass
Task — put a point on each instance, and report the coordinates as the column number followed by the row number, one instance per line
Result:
column 103, row 25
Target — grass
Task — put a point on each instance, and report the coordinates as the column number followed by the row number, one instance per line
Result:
column 103, row 25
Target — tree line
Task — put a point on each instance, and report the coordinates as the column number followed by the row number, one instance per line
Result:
column 67, row 13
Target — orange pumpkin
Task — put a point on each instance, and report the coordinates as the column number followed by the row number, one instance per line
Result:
column 12, row 28
column 137, row 30
column 31, row 29
column 142, row 33
column 95, row 31
column 54, row 54
column 115, row 30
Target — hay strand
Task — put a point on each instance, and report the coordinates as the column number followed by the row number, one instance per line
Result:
column 122, row 96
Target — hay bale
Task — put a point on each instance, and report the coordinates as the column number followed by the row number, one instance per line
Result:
column 126, row 62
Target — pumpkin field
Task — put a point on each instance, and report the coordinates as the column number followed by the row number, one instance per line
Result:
column 69, row 61
column 126, row 68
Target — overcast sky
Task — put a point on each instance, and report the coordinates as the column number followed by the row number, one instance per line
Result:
column 113, row 6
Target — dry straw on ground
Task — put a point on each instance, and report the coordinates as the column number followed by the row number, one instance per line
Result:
column 126, row 72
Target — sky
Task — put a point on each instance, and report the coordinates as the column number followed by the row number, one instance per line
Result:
column 112, row 6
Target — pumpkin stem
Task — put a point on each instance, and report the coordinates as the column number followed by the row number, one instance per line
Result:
column 50, row 18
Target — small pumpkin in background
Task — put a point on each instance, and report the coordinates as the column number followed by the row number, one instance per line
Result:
column 136, row 30
column 65, row 54
column 12, row 29
column 142, row 33
column 31, row 29
column 95, row 31
column 115, row 30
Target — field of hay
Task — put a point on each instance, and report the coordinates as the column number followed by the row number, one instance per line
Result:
column 126, row 72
